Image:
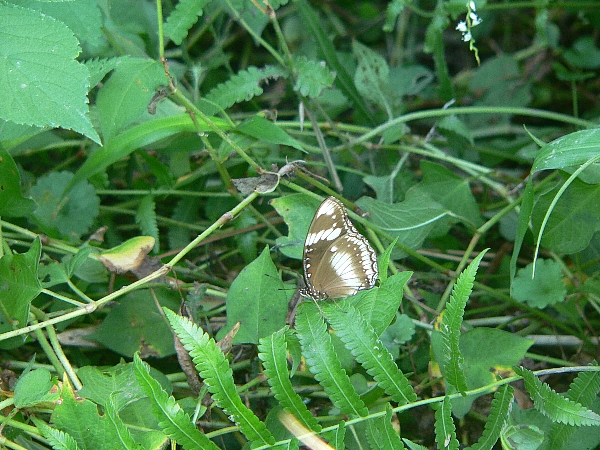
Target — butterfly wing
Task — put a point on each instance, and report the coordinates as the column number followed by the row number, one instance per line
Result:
column 338, row 261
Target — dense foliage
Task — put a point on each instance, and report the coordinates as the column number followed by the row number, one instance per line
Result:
column 160, row 164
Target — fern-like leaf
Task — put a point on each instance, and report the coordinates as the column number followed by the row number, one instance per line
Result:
column 273, row 355
column 243, row 86
column 369, row 351
column 554, row 406
column 454, row 372
column 497, row 418
column 381, row 434
column 324, row 363
column 183, row 17
column 59, row 440
column 174, row 422
column 445, row 431
column 146, row 218
column 313, row 77
column 583, row 390
column 214, row 368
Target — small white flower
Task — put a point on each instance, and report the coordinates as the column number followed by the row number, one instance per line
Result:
column 467, row 37
column 472, row 5
column 462, row 26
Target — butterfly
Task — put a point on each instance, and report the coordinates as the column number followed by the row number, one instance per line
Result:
column 338, row 261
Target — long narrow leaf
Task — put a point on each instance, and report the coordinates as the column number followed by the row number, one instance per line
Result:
column 497, row 418
column 121, row 432
column 369, row 351
column 451, row 323
column 214, row 368
column 583, row 390
column 554, row 406
column 381, row 434
column 171, row 418
column 273, row 355
column 324, row 363
column 445, row 431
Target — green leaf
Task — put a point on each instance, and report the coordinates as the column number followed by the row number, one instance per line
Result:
column 323, row 362
column 264, row 130
column 411, row 220
column 182, row 18
column 273, row 355
column 313, row 77
column 547, row 288
column 214, row 369
column 369, row 351
column 555, row 407
column 576, row 209
column 12, row 202
column 372, row 76
column 56, row 438
column 124, row 438
column 146, row 217
column 522, row 437
column 297, row 211
column 147, row 331
column 33, row 388
column 70, row 215
column 496, row 421
column 20, row 285
column 384, row 261
column 172, row 419
column 522, row 228
column 445, row 431
column 453, row 366
column 257, row 299
column 381, row 434
column 98, row 68
column 242, row 86
column 185, row 212
column 584, row 390
column 45, row 85
column 126, row 94
column 571, row 150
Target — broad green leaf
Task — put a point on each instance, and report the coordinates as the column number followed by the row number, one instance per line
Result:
column 126, row 94
column 312, row 78
column 257, row 299
column 264, row 130
column 522, row 437
column 12, row 202
column 445, row 431
column 70, row 215
column 98, row 68
column 547, row 288
column 33, row 388
column 398, row 333
column 147, row 331
column 552, row 405
column 214, row 369
column 273, row 355
column 571, row 150
column 20, row 285
column 127, row 256
column 173, row 420
column 577, row 209
column 372, row 76
column 497, row 419
column 411, row 220
column 182, row 18
column 297, row 211
column 453, row 365
column 324, row 363
column 370, row 352
column 46, row 86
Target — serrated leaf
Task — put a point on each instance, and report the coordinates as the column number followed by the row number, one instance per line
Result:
column 146, row 217
column 124, row 438
column 70, row 215
column 56, row 438
column 453, row 366
column 46, row 86
column 182, row 18
column 381, row 435
column 242, row 86
column 369, row 351
column 445, row 431
column 313, row 77
column 554, row 406
column 215, row 370
column 324, row 363
column 501, row 406
column 98, row 68
column 171, row 418
column 273, row 355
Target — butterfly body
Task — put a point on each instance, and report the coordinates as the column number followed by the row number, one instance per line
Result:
column 338, row 261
